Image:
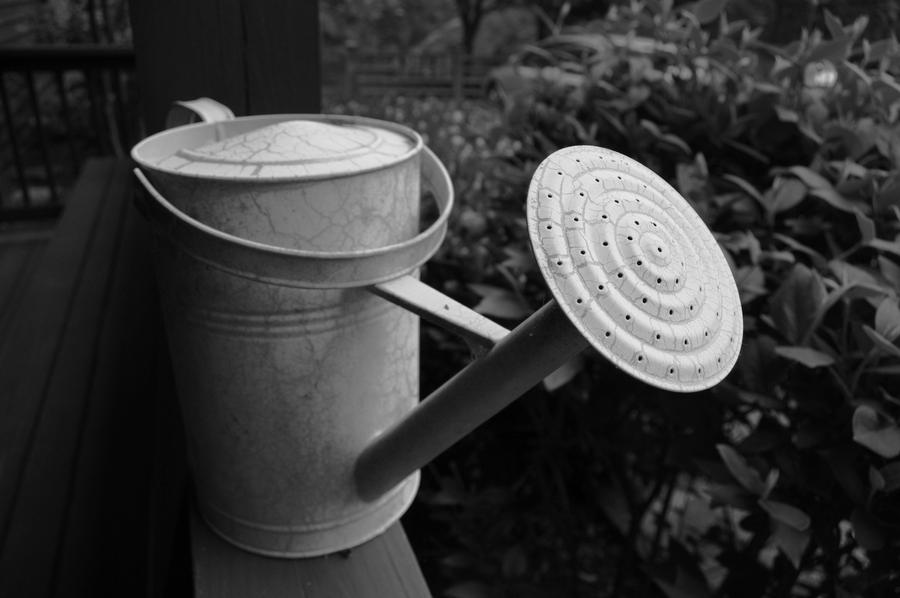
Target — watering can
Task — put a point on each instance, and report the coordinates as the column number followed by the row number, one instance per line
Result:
column 287, row 250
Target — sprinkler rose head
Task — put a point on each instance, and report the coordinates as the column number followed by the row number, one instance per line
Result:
column 634, row 268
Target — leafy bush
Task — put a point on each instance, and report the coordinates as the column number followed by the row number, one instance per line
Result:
column 785, row 479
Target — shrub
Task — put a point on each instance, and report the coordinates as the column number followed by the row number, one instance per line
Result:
column 785, row 479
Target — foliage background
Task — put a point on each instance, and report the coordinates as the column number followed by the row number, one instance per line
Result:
column 783, row 481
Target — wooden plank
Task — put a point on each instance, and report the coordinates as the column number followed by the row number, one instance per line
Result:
column 39, row 510
column 34, row 337
column 20, row 251
column 169, row 482
column 255, row 57
column 383, row 567
column 104, row 544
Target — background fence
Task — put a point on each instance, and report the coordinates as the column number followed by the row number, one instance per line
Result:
column 62, row 103
column 358, row 75
column 58, row 105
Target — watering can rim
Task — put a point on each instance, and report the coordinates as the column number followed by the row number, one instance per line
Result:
column 432, row 229
column 418, row 145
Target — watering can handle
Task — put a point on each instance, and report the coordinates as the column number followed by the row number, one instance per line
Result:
column 432, row 305
column 185, row 112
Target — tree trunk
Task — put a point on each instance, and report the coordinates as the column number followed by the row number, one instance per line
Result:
column 470, row 14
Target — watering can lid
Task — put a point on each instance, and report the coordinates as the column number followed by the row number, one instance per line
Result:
column 312, row 147
column 635, row 268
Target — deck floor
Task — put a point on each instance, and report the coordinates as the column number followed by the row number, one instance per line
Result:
column 21, row 247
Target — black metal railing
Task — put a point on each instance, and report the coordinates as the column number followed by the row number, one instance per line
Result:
column 58, row 105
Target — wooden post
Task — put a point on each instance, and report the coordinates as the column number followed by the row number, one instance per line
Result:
column 255, row 57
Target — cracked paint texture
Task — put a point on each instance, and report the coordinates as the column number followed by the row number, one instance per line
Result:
column 635, row 268
column 299, row 184
column 280, row 387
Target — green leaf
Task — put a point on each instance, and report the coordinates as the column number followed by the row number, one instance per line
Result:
column 806, row 356
column 748, row 477
column 728, row 494
column 790, row 541
column 882, row 343
column 887, row 319
column 876, row 432
column 888, row 194
column 755, row 398
column 788, row 193
column 888, row 87
column 866, row 529
column 708, row 11
column 785, row 513
column 564, row 374
column 834, row 198
column 866, row 227
column 890, row 271
column 834, row 25
column 813, row 179
column 751, row 282
column 746, row 188
column 785, row 114
column 794, row 305
column 844, row 464
column 849, row 275
column 499, row 302
column 820, row 187
column 886, row 246
column 834, row 51
column 890, row 473
column 468, row 589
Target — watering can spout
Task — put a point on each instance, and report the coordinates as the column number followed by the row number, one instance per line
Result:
column 634, row 273
column 520, row 360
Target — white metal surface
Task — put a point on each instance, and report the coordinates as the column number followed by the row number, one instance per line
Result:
column 314, row 146
column 635, row 268
column 286, row 365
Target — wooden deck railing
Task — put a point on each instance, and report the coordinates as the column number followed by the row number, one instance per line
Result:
column 59, row 105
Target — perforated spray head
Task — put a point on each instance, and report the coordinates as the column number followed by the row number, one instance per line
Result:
column 634, row 268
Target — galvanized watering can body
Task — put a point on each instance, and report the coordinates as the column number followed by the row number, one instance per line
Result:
column 288, row 248
column 282, row 386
